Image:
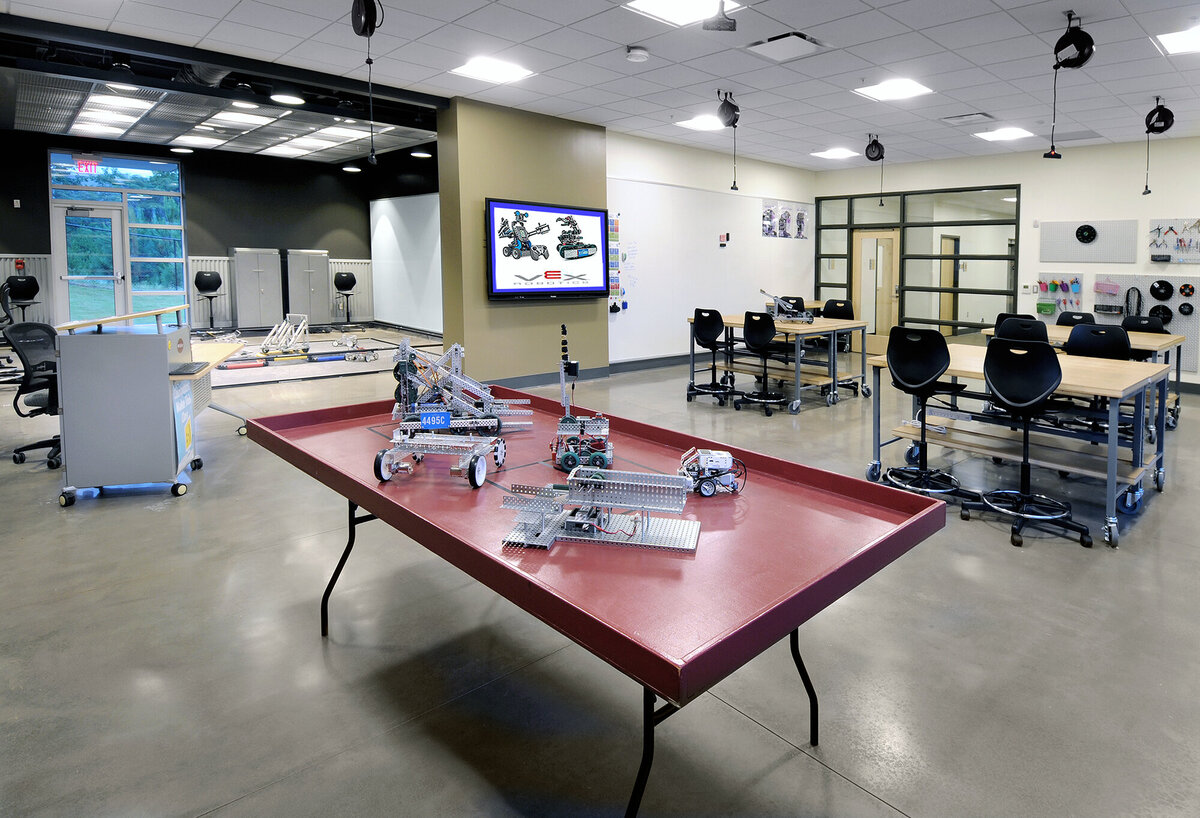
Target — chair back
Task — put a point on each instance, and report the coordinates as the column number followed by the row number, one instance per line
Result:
column 758, row 332
column 916, row 359
column 1022, row 329
column 1070, row 319
column 207, row 282
column 795, row 302
column 837, row 308
column 1096, row 341
column 708, row 327
column 22, row 288
column 1143, row 323
column 34, row 344
column 1021, row 375
column 344, row 282
column 1001, row 317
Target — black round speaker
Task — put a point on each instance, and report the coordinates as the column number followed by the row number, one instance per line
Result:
column 364, row 17
column 1186, row 308
column 1162, row 290
column 344, row 282
column 208, row 281
column 1085, row 233
column 1162, row 312
column 1187, row 290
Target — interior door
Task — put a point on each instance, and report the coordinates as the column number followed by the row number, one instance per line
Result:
column 948, row 303
column 88, row 245
column 876, row 279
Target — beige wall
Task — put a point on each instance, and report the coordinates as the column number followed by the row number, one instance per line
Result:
column 488, row 151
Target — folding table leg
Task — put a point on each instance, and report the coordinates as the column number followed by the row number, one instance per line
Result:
column 651, row 717
column 355, row 521
column 808, row 687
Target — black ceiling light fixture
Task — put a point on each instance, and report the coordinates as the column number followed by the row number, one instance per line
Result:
column 874, row 153
column 729, row 113
column 1159, row 120
column 365, row 17
column 1073, row 50
column 720, row 21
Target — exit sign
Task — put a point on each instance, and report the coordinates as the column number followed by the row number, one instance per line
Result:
column 87, row 165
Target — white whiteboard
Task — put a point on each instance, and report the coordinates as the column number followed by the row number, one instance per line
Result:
column 406, row 261
column 674, row 264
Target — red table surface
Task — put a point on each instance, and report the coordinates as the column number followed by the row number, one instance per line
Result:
column 794, row 541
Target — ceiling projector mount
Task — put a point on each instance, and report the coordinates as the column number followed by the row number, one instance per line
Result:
column 720, row 21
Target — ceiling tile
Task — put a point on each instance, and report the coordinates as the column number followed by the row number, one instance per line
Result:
column 920, row 14
column 259, row 39
column 531, row 59
column 987, row 29
column 728, row 63
column 861, row 28
column 1048, row 15
column 422, row 54
column 274, row 18
column 582, row 73
column 164, row 19
column 622, row 26
column 446, row 10
column 676, row 76
column 630, row 87
column 570, row 42
column 465, row 41
column 502, row 21
column 547, row 85
column 803, row 16
column 314, row 8
column 563, row 12
column 829, row 64
column 893, row 49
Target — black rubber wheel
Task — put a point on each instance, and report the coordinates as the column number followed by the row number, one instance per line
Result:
column 197, row 464
column 19, row 458
column 964, row 514
column 689, row 398
column 912, row 455
column 241, row 431
column 1016, row 540
column 53, row 462
column 179, row 489
column 477, row 471
column 569, row 461
column 495, row 431
column 66, row 499
column 1085, row 540
column 874, row 471
column 599, row 460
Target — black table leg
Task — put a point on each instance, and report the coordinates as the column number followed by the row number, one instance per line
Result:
column 355, row 521
column 808, row 687
column 651, row 717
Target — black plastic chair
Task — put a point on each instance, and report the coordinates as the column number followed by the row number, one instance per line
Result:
column 1021, row 377
column 757, row 333
column 208, row 284
column 344, row 284
column 1143, row 323
column 1001, row 317
column 19, row 292
column 1022, row 329
column 38, row 390
column 1098, row 341
column 708, row 331
column 841, row 309
column 917, row 358
column 1071, row 319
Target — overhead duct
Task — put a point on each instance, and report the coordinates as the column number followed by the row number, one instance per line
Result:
column 200, row 74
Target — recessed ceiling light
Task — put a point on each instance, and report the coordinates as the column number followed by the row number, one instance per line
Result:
column 249, row 106
column 703, row 122
column 242, row 119
column 835, row 153
column 108, row 116
column 350, row 121
column 114, row 101
column 182, row 150
column 1181, row 42
column 679, row 12
column 198, row 141
column 968, row 119
column 117, row 86
column 352, row 169
column 97, row 128
column 421, row 155
column 308, row 143
column 1009, row 199
column 203, row 128
column 287, row 99
column 283, row 150
column 1004, row 134
column 342, row 133
column 894, row 89
column 490, row 69
column 791, row 45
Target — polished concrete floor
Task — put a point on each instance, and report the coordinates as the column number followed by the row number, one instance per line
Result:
column 162, row 656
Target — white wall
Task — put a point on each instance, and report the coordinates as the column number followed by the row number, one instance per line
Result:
column 406, row 256
column 672, row 203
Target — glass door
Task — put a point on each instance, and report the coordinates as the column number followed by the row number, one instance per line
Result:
column 89, row 261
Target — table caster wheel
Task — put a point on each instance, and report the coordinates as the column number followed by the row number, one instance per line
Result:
column 1151, row 435
column 241, row 431
column 179, row 489
column 197, row 464
column 1130, row 502
column 1016, row 540
column 689, row 398
column 830, row 399
column 67, row 498
column 874, row 471
column 912, row 455
column 1111, row 534
column 1085, row 540
column 794, row 407
column 53, row 462
column 1160, row 479
column 866, row 391
column 1172, row 421
column 19, row 458
column 964, row 514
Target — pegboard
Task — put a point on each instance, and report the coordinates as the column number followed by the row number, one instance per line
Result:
column 1177, row 238
column 1185, row 325
column 1116, row 242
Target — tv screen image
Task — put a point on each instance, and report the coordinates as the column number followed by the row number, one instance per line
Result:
column 538, row 250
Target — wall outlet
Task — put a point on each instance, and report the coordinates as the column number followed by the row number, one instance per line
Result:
column 16, row 203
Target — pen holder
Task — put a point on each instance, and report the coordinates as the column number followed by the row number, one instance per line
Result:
column 1076, row 286
column 1043, row 285
column 1053, row 286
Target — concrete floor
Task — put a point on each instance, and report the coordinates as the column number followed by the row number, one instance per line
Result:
column 162, row 656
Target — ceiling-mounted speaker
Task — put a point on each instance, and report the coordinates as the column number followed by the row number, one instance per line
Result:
column 874, row 151
column 364, row 17
column 1075, row 47
column 1160, row 119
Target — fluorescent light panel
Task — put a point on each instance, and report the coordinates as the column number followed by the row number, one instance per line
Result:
column 310, row 144
column 114, row 101
column 421, row 155
column 196, row 141
column 489, row 69
column 248, row 106
column 836, row 153
column 242, row 119
column 1181, row 42
column 287, row 99
column 283, row 150
column 703, row 122
column 96, row 128
column 891, row 90
column 111, row 117
column 336, row 132
column 679, row 12
column 1004, row 134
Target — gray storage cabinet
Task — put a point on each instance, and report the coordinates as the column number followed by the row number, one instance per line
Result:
column 308, row 285
column 121, row 417
column 257, row 287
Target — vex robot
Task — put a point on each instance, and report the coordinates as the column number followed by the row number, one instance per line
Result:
column 710, row 471
column 522, row 245
column 470, row 453
column 570, row 240
column 788, row 310
column 432, row 393
column 578, row 440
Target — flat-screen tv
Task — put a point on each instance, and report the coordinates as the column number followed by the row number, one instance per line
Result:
column 544, row 251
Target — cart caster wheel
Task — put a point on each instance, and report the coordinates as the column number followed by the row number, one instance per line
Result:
column 689, row 398
column 1160, row 479
column 1172, row 422
column 1111, row 536
column 1085, row 540
column 1016, row 540
column 997, row 460
column 737, row 406
column 1151, row 435
column 1129, row 503
column 19, row 458
column 179, row 489
column 66, row 499
column 720, row 401
column 197, row 464
column 241, row 431
column 830, row 399
column 767, row 411
column 874, row 471
column 53, row 462
column 866, row 391
column 964, row 514
column 912, row 455
column 707, row 488
column 794, row 407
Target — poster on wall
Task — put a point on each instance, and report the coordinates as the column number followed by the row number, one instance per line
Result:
column 616, row 301
column 546, row 251
column 785, row 220
column 1175, row 240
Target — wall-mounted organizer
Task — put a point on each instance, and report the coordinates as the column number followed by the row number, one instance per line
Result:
column 1110, row 242
column 1176, row 241
column 1165, row 296
column 1109, row 298
column 1059, row 292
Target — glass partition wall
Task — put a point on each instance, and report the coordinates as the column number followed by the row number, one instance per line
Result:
column 955, row 269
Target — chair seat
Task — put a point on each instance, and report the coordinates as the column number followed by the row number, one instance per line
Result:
column 37, row 400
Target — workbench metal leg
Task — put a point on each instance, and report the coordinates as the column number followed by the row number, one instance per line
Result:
column 808, row 687
column 1111, row 529
column 650, row 717
column 354, row 522
column 833, row 365
column 875, row 467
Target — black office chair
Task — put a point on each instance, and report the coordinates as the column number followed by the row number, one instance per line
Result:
column 208, row 282
column 19, row 292
column 38, row 390
column 916, row 359
column 757, row 333
column 344, row 284
column 1021, row 377
column 1143, row 323
column 1071, row 319
column 708, row 330
column 1022, row 329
